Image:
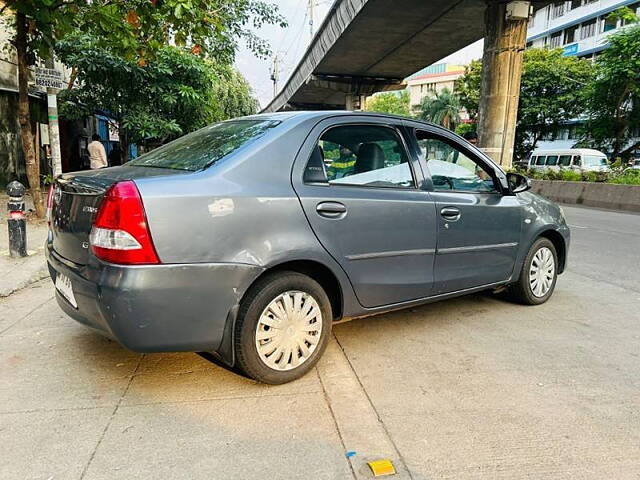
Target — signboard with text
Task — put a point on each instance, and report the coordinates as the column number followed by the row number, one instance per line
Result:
column 49, row 78
column 570, row 50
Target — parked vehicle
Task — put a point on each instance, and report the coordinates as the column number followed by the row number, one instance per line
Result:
column 240, row 239
column 581, row 159
column 634, row 164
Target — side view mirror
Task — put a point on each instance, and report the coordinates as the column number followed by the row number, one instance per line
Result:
column 518, row 183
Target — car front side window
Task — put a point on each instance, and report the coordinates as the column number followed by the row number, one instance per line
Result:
column 363, row 155
column 451, row 168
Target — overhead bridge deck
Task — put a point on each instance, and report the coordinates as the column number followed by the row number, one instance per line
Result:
column 367, row 46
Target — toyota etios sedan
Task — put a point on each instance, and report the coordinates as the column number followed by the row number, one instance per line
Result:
column 249, row 237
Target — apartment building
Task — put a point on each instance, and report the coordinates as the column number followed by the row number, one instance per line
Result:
column 432, row 79
column 579, row 27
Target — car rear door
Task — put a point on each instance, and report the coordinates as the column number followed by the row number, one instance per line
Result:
column 478, row 226
column 360, row 191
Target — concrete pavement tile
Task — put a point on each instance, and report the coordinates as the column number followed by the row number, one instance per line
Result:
column 356, row 418
column 497, row 443
column 20, row 304
column 49, row 445
column 62, row 368
column 283, row 437
column 47, row 316
column 183, row 377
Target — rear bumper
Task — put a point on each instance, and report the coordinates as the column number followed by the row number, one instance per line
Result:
column 155, row 308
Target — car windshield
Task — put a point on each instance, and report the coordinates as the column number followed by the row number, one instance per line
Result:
column 593, row 161
column 206, row 146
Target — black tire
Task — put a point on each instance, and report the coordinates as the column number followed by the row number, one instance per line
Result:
column 255, row 301
column 521, row 291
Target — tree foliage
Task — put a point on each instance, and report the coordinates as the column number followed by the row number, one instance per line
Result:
column 553, row 90
column 137, row 28
column 468, row 88
column 614, row 95
column 389, row 102
column 442, row 108
column 175, row 94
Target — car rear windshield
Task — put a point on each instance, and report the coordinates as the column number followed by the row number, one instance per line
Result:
column 206, row 146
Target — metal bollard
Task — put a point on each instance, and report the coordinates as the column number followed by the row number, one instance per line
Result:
column 16, row 220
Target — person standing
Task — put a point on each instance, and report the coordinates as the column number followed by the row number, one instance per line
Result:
column 97, row 153
column 471, row 137
column 115, row 157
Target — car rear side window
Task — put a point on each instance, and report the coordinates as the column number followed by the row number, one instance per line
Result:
column 206, row 146
column 360, row 155
column 540, row 160
column 565, row 161
column 552, row 160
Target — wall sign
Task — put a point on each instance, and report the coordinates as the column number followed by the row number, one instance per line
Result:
column 49, row 78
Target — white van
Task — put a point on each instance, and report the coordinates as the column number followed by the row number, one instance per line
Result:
column 582, row 159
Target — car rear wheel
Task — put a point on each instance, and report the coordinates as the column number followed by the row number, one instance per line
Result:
column 539, row 274
column 283, row 327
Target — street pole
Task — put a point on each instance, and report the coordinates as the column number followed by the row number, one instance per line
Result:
column 275, row 74
column 504, row 44
column 54, row 131
column 311, row 5
column 16, row 220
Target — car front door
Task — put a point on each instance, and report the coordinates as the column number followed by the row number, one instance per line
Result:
column 360, row 192
column 478, row 223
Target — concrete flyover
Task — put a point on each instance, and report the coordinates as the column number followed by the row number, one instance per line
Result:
column 367, row 46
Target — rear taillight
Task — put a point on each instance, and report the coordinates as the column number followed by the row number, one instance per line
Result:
column 50, row 203
column 120, row 233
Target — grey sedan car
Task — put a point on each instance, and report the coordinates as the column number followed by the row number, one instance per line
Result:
column 250, row 237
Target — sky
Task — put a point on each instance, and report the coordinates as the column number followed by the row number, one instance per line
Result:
column 290, row 44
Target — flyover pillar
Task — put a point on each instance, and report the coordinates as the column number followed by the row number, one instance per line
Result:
column 355, row 102
column 504, row 44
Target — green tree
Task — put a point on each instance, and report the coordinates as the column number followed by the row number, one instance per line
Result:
column 442, row 108
column 468, row 88
column 137, row 28
column 389, row 102
column 553, row 90
column 614, row 95
column 175, row 94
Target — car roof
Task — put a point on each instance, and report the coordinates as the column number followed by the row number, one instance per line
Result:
column 320, row 114
column 582, row 151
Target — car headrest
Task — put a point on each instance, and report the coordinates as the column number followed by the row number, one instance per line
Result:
column 370, row 157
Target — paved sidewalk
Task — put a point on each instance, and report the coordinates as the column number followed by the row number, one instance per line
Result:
column 17, row 273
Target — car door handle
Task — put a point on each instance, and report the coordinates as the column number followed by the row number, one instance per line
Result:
column 331, row 209
column 450, row 213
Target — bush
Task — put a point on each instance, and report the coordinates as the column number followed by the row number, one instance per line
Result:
column 630, row 177
column 463, row 128
column 571, row 176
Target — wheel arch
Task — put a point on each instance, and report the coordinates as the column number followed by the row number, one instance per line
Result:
column 313, row 269
column 318, row 272
column 559, row 243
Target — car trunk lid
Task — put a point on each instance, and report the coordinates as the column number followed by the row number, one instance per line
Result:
column 77, row 197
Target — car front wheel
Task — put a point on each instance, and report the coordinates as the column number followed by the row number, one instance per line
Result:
column 283, row 327
column 539, row 274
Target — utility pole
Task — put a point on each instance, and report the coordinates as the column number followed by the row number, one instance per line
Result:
column 504, row 44
column 310, row 8
column 54, row 131
column 275, row 74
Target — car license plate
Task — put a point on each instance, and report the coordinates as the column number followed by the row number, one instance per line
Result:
column 63, row 285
